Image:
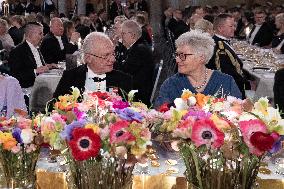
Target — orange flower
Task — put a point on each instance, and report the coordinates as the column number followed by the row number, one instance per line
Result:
column 201, row 99
column 186, row 94
column 9, row 144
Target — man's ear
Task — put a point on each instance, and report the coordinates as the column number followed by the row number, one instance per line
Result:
column 87, row 58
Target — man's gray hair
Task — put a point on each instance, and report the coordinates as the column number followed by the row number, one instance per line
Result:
column 201, row 43
column 95, row 40
column 133, row 27
column 29, row 28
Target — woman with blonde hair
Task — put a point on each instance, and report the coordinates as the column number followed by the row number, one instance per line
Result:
column 204, row 26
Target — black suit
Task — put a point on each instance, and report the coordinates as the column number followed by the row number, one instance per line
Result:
column 226, row 60
column 77, row 77
column 114, row 10
column 23, row 64
column 277, row 40
column 278, row 90
column 50, row 49
column 139, row 63
column 264, row 35
column 100, row 25
column 177, row 27
column 16, row 34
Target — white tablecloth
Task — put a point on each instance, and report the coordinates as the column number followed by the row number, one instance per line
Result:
column 265, row 82
column 43, row 89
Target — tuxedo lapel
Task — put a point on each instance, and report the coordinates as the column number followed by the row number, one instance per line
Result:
column 28, row 52
column 253, row 28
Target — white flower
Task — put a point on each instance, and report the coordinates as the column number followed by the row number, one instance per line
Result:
column 131, row 95
column 180, row 104
column 27, row 136
column 191, row 101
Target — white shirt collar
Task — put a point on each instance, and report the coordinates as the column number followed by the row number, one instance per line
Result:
column 31, row 45
column 91, row 74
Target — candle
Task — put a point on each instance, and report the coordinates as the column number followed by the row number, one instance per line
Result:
column 6, row 9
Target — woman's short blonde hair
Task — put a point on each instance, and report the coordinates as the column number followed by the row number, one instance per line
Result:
column 204, row 26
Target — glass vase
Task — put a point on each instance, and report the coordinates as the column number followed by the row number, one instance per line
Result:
column 100, row 173
column 211, row 169
column 19, row 168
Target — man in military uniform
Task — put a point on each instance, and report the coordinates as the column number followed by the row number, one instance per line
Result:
column 224, row 57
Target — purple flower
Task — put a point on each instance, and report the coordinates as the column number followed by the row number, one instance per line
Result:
column 129, row 114
column 197, row 114
column 120, row 104
column 66, row 134
column 276, row 147
column 16, row 133
column 80, row 115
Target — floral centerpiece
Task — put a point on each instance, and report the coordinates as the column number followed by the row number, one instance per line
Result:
column 221, row 140
column 20, row 142
column 104, row 135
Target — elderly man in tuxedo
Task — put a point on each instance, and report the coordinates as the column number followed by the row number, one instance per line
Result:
column 26, row 61
column 96, row 74
column 138, row 60
column 53, row 47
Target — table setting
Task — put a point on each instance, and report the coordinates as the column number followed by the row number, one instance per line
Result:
column 261, row 64
column 102, row 141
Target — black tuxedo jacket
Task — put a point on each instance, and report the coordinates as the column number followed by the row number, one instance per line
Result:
column 77, row 78
column 50, row 49
column 100, row 25
column 229, row 63
column 139, row 63
column 277, row 40
column 22, row 64
column 16, row 34
column 177, row 27
column 264, row 35
column 278, row 90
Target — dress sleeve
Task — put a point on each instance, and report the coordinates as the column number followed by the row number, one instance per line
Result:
column 234, row 89
column 164, row 94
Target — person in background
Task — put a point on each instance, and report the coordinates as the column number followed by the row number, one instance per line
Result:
column 25, row 60
column 5, row 37
column 278, row 90
column 176, row 24
column 194, row 50
column 139, row 60
column 204, row 26
column 278, row 39
column 224, row 57
column 262, row 32
column 16, row 30
column 70, row 37
column 52, row 46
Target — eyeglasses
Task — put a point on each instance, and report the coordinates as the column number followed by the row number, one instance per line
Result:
column 102, row 57
column 182, row 56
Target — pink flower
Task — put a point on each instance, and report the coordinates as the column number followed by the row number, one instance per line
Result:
column 30, row 148
column 183, row 130
column 119, row 132
column 24, row 123
column 248, row 128
column 120, row 104
column 16, row 149
column 205, row 132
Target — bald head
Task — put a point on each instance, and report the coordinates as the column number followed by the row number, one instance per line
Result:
column 98, row 52
column 56, row 26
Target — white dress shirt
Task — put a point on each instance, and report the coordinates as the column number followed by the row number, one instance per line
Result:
column 90, row 85
column 36, row 54
column 252, row 36
column 60, row 42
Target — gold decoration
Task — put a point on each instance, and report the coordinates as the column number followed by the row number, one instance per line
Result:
column 155, row 163
column 171, row 162
column 265, row 171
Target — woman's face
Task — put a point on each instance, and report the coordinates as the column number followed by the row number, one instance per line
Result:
column 187, row 60
column 278, row 23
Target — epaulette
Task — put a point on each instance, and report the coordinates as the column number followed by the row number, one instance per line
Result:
column 221, row 45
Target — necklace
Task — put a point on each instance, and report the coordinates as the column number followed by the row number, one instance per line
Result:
column 204, row 82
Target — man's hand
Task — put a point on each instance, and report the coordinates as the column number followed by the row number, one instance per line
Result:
column 42, row 69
